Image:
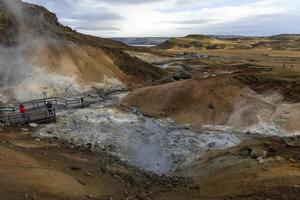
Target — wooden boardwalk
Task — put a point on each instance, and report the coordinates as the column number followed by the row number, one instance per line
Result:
column 38, row 112
column 37, row 116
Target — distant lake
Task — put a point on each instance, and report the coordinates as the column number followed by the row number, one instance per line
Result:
column 141, row 45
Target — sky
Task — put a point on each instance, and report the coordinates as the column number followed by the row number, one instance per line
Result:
column 170, row 18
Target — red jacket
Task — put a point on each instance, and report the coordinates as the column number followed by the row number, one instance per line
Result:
column 22, row 109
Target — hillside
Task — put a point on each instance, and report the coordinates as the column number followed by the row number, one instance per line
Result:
column 34, row 42
column 203, row 42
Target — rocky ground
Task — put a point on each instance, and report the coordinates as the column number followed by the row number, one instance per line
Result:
column 199, row 82
column 34, row 168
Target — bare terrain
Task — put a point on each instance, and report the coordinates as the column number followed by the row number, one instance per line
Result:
column 203, row 117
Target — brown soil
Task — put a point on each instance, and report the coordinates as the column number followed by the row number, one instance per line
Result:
column 251, row 86
column 196, row 102
column 238, row 173
column 32, row 169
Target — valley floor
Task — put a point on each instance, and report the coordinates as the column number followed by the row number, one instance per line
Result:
column 33, row 168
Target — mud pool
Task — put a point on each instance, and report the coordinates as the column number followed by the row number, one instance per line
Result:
column 152, row 144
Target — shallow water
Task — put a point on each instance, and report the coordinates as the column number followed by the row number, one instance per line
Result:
column 152, row 144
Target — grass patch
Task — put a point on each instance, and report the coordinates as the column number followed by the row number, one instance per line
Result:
column 278, row 75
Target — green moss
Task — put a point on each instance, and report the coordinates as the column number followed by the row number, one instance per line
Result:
column 278, row 75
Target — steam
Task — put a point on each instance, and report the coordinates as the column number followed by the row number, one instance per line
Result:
column 157, row 145
column 18, row 75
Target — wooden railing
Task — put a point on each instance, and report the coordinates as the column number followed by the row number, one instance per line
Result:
column 37, row 110
column 37, row 116
column 42, row 103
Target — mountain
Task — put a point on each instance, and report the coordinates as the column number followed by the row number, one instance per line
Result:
column 205, row 42
column 141, row 41
column 32, row 40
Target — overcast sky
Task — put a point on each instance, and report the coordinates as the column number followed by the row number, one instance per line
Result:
column 136, row 18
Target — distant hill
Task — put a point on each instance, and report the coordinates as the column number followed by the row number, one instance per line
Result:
column 276, row 42
column 141, row 41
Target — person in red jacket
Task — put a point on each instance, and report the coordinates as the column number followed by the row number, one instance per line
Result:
column 22, row 108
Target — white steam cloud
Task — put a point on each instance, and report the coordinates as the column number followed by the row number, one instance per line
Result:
column 18, row 76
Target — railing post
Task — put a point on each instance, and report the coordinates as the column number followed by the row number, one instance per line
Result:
column 28, row 117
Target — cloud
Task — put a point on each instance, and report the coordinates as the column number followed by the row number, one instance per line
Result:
column 175, row 17
column 96, row 27
column 193, row 22
column 101, row 16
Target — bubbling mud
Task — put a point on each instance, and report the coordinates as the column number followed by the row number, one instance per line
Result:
column 152, row 144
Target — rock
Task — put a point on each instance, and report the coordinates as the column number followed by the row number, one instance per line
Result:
column 212, row 145
column 81, row 181
column 33, row 125
column 260, row 160
column 211, row 106
column 182, row 75
column 279, row 158
column 256, row 153
column 248, row 133
column 271, row 150
column 49, row 131
column 90, row 196
column 292, row 160
column 25, row 129
column 88, row 174
column 75, row 168
column 37, row 139
column 245, row 152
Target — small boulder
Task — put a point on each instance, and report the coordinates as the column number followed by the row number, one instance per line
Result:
column 245, row 152
column 279, row 158
column 212, row 145
column 75, row 168
column 260, row 160
column 256, row 153
column 49, row 131
column 33, row 125
column 271, row 150
column 88, row 174
column 182, row 75
column 248, row 133
column 211, row 106
column 81, row 181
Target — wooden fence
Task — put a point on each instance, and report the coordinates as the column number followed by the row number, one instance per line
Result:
column 37, row 116
column 37, row 110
